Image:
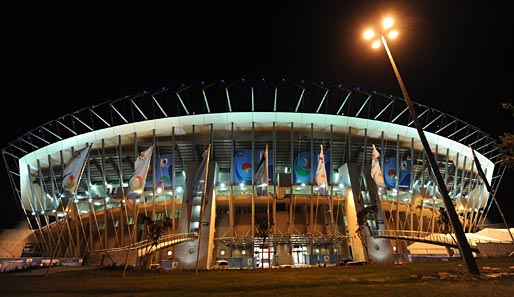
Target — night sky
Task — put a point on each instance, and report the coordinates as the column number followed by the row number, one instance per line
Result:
column 454, row 56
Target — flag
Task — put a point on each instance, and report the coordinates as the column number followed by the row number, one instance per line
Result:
column 138, row 178
column 261, row 175
column 73, row 171
column 200, row 177
column 321, row 175
column 163, row 174
column 376, row 172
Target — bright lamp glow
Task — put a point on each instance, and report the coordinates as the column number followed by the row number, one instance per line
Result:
column 392, row 34
column 368, row 34
column 387, row 23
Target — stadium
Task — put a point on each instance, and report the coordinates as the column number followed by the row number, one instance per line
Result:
column 250, row 173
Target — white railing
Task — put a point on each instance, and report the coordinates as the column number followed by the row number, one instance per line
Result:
column 149, row 246
column 435, row 238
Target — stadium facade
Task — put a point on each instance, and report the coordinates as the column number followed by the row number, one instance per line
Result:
column 204, row 142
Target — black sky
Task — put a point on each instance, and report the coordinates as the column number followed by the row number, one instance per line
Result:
column 454, row 56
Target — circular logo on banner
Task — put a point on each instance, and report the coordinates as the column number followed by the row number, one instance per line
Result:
column 136, row 183
column 302, row 168
column 191, row 250
column 243, row 164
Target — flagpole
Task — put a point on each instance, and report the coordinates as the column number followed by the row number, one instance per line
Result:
column 202, row 210
column 267, row 198
column 65, row 218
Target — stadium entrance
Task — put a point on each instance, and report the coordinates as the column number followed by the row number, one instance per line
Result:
column 263, row 256
column 299, row 255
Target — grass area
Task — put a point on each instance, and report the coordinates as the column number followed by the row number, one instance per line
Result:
column 411, row 279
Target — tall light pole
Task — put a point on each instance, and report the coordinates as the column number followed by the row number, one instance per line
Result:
column 462, row 241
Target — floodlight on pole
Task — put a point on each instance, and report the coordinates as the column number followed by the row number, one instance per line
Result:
column 462, row 241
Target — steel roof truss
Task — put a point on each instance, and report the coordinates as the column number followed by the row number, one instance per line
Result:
column 463, row 127
column 138, row 109
column 419, row 117
column 468, row 135
column 478, row 140
column 117, row 112
column 182, row 102
column 494, row 149
column 206, row 101
column 158, row 105
column 69, row 129
column 344, row 102
column 299, row 100
column 362, row 106
column 19, row 148
column 101, row 119
column 446, row 126
column 383, row 109
column 399, row 115
column 43, row 140
column 275, row 100
column 228, row 100
column 29, row 143
column 80, row 121
column 322, row 100
column 253, row 100
column 429, row 124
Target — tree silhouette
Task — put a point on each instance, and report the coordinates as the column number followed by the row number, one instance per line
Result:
column 444, row 221
column 155, row 231
column 507, row 141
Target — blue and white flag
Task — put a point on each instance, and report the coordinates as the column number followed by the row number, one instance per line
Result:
column 261, row 176
column 138, row 179
column 73, row 171
column 376, row 171
column 321, row 175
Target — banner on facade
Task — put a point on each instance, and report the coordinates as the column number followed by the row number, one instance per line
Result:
column 390, row 173
column 243, row 165
column 302, row 166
